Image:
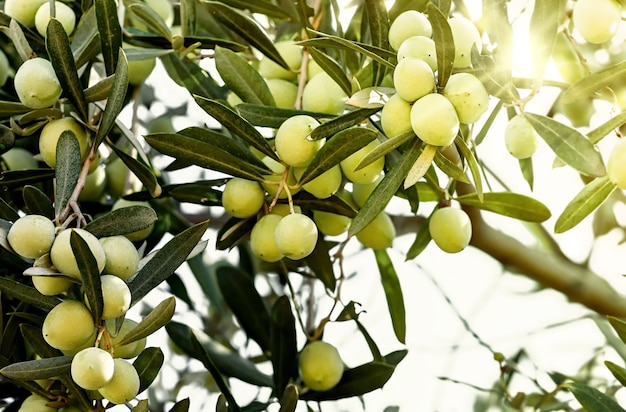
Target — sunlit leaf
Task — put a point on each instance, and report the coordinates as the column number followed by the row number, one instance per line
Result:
column 514, row 205
column 584, row 203
column 592, row 399
column 607, row 127
column 334, row 70
column 421, row 165
column 544, row 25
column 444, row 44
column 594, row 82
column 472, row 163
column 393, row 293
column 450, row 168
column 339, row 123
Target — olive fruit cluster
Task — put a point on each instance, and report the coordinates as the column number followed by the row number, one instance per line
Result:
column 434, row 117
column 321, row 93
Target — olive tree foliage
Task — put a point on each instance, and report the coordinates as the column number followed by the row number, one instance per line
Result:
column 247, row 65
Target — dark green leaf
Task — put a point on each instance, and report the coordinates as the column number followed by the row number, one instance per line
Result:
column 393, row 293
column 319, row 261
column 110, row 33
column 283, row 344
column 7, row 212
column 206, row 360
column 385, row 190
column 593, row 82
column 238, row 290
column 140, row 170
column 263, row 7
column 188, row 74
column 334, row 70
column 227, row 361
column 100, row 90
column 378, row 357
column 592, row 399
column 339, row 147
column 355, row 382
column 151, row 19
column 85, row 40
column 181, row 406
column 20, row 178
column 241, row 78
column 422, row 239
column 155, row 320
column 342, row 122
column 509, row 204
column 233, row 231
column 89, row 273
column 122, row 221
column 236, row 124
column 584, row 203
column 333, row 204
column 618, row 371
column 569, row 144
column 444, row 44
column 67, row 169
column 62, row 59
column 378, row 23
column 148, row 364
column 166, row 260
column 38, row 369
column 247, row 28
column 115, row 102
column 267, row 116
column 12, row 108
column 37, row 202
column 384, row 148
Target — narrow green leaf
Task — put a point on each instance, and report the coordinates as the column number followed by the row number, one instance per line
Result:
column 27, row 294
column 500, row 31
column 497, row 81
column 421, row 165
column 16, row 34
column 89, row 273
column 385, row 190
column 378, row 24
column 110, row 33
column 85, row 39
column 514, row 205
column 472, row 163
column 122, row 221
column 593, row 82
column 233, row 232
column 620, row 327
column 283, row 344
column 450, row 168
column 142, row 406
column 444, row 6
column 37, row 202
column 355, row 382
column 480, row 136
column 38, row 369
column 247, row 28
column 444, row 44
column 188, row 74
column 62, row 59
column 333, row 204
column 264, row 7
column 236, row 124
column 202, row 154
column 19, row 178
column 8, row 109
column 240, row 294
column 227, row 361
column 384, row 148
column 592, row 399
column 334, row 70
column 373, row 347
column 115, row 102
column 166, row 260
column 100, row 90
column 319, row 261
column 67, row 169
column 266, row 116
column 618, row 371
column 140, row 170
column 153, row 21
column 181, row 406
column 339, row 147
column 155, row 320
column 422, row 239
column 544, row 26
column 339, row 123
column 607, row 127
column 569, row 144
column 586, row 201
column 148, row 364
column 393, row 293
column 242, row 78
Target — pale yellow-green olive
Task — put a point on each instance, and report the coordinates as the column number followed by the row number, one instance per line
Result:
column 31, row 236
column 284, row 92
column 434, row 120
column 616, row 165
column 408, row 24
column 465, row 35
column 292, row 143
column 320, row 366
column 323, row 95
column 362, row 191
column 520, row 137
column 68, row 325
column 395, row 117
column 139, row 70
column 379, row 233
column 597, row 21
column 331, row 224
column 50, row 134
column 124, row 385
column 366, row 174
column 36, row 403
column 262, row 240
column 242, row 198
column 413, row 78
column 468, row 96
column 296, row 236
column 115, row 295
column 122, row 258
column 130, row 350
column 63, row 13
column 291, row 53
column 51, row 285
column 63, row 257
column 450, row 228
column 92, row 368
column 36, row 84
column 23, row 10
column 420, row 47
column 324, row 185
column 120, row 180
column 17, row 158
column 87, row 344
